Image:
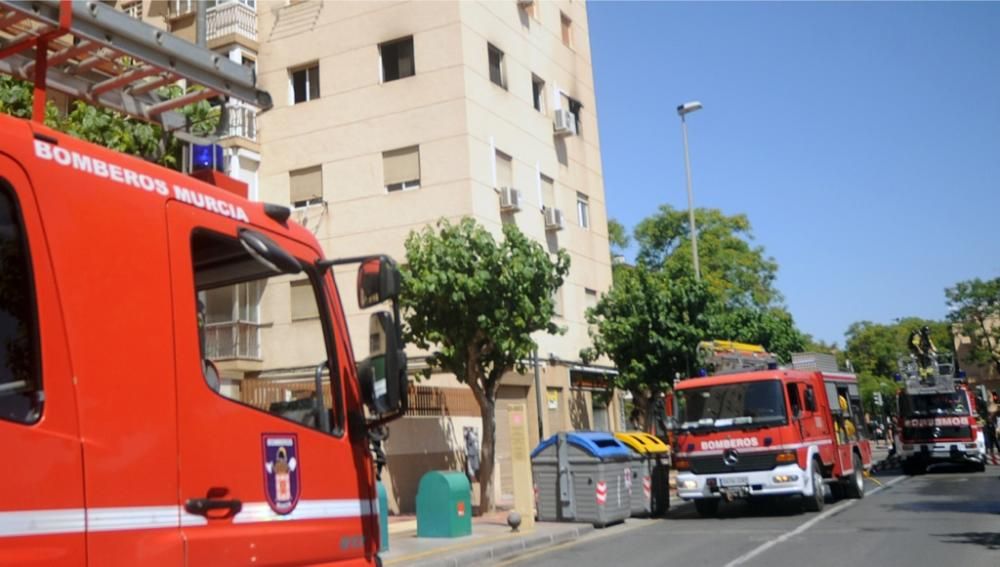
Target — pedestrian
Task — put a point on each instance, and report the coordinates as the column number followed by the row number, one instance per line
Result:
column 990, row 429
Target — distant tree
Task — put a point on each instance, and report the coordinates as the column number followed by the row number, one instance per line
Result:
column 734, row 270
column 773, row 328
column 475, row 302
column 875, row 348
column 975, row 306
column 110, row 129
column 649, row 325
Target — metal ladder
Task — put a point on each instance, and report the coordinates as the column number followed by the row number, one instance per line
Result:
column 95, row 53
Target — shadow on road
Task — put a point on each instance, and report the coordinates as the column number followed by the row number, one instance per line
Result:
column 989, row 540
column 763, row 508
column 967, row 506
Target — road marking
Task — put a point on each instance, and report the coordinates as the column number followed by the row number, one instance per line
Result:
column 786, row 536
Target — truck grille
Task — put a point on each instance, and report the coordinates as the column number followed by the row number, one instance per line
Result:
column 747, row 462
column 928, row 433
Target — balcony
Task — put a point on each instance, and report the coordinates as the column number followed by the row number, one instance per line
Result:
column 231, row 18
column 232, row 340
column 240, row 122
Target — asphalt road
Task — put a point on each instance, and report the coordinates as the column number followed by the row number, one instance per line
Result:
column 947, row 518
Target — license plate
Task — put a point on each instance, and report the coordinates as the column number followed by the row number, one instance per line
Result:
column 734, row 481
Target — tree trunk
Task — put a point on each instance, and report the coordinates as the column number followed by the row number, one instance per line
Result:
column 487, row 405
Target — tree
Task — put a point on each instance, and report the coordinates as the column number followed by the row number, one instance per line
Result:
column 773, row 328
column 476, row 302
column 732, row 267
column 649, row 325
column 975, row 306
column 875, row 348
column 110, row 129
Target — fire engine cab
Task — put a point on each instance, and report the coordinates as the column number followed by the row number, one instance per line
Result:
column 937, row 418
column 125, row 444
column 763, row 431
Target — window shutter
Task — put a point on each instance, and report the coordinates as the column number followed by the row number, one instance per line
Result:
column 401, row 165
column 548, row 193
column 505, row 170
column 306, row 184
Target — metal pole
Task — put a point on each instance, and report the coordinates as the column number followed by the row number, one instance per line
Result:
column 538, row 397
column 694, row 229
column 201, row 15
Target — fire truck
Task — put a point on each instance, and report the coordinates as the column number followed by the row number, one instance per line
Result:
column 126, row 443
column 937, row 418
column 761, row 431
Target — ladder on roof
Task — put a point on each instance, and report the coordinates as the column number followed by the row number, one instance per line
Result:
column 93, row 52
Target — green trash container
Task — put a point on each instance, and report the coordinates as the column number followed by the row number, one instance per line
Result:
column 383, row 517
column 444, row 505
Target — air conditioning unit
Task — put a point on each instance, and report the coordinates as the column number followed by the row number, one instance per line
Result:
column 510, row 199
column 565, row 123
column 553, row 219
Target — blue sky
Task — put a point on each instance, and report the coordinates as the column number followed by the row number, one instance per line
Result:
column 862, row 140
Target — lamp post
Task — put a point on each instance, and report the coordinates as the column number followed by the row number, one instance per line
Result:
column 682, row 111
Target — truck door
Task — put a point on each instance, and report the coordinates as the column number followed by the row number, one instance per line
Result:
column 261, row 482
column 813, row 424
column 42, row 516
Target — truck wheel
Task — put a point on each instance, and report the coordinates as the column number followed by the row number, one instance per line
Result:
column 855, row 487
column 980, row 466
column 707, row 507
column 912, row 468
column 815, row 502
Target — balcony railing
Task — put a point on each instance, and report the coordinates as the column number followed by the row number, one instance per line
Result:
column 241, row 121
column 232, row 340
column 231, row 18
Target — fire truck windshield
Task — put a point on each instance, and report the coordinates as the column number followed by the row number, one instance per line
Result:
column 732, row 405
column 935, row 404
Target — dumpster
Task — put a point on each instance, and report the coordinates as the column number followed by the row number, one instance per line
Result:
column 444, row 505
column 580, row 477
column 650, row 472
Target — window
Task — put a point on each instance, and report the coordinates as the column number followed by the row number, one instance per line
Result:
column 793, row 398
column 306, row 186
column 548, row 192
column 538, row 93
column 496, row 66
column 20, row 384
column 252, row 4
column 557, row 302
column 583, row 210
column 530, row 9
column 249, row 62
column 133, row 9
column 222, row 267
column 303, row 301
column 401, row 169
column 305, row 84
column 179, row 7
column 397, row 59
column 567, row 29
column 589, row 299
column 505, row 170
column 575, row 107
column 232, row 321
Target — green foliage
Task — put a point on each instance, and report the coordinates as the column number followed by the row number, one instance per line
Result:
column 868, row 384
column 874, row 348
column 617, row 237
column 773, row 328
column 975, row 306
column 734, row 270
column 111, row 129
column 650, row 324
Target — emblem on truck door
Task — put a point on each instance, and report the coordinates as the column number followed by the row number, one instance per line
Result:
column 281, row 471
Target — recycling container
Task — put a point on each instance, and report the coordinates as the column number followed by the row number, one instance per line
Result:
column 649, row 473
column 444, row 505
column 580, row 477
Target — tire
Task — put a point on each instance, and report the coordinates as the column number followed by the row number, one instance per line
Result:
column 979, row 467
column 913, row 468
column 838, row 491
column 855, row 486
column 707, row 507
column 815, row 502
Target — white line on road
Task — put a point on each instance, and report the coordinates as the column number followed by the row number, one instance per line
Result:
column 784, row 537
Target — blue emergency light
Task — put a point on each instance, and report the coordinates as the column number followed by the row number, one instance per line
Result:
column 201, row 157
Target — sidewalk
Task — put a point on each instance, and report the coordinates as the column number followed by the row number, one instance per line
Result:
column 491, row 540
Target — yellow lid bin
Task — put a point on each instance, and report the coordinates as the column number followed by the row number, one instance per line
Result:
column 642, row 442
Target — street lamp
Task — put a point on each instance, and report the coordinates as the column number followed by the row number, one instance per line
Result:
column 682, row 111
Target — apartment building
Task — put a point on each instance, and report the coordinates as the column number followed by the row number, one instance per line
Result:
column 389, row 116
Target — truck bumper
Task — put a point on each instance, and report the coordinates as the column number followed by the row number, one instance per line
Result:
column 945, row 452
column 780, row 481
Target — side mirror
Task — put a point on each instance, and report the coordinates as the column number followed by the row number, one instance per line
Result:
column 810, row 400
column 670, row 423
column 384, row 382
column 268, row 253
column 378, row 280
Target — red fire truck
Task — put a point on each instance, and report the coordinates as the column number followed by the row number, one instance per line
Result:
column 124, row 443
column 937, row 419
column 769, row 433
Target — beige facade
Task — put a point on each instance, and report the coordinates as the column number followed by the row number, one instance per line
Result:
column 389, row 116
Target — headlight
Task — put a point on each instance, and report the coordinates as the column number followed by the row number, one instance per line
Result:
column 783, row 478
column 689, row 484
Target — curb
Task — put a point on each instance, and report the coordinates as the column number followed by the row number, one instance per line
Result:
column 505, row 549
